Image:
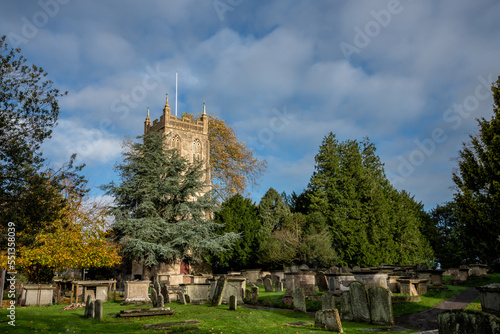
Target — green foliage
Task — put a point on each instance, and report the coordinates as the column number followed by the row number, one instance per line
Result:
column 159, row 215
column 372, row 223
column 447, row 242
column 238, row 215
column 477, row 180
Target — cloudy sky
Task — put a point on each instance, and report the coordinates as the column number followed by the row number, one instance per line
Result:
column 413, row 76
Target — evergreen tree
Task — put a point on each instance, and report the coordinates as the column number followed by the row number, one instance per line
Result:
column 447, row 244
column 371, row 222
column 477, row 180
column 159, row 213
column 239, row 215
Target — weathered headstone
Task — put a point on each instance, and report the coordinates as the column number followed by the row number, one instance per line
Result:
column 187, row 298
column 91, row 310
column 248, row 295
column 164, row 293
column 332, row 321
column 299, row 300
column 255, row 293
column 154, row 297
column 87, row 313
column 319, row 319
column 278, row 287
column 182, row 297
column 268, row 285
column 233, row 303
column 219, row 291
column 327, row 301
column 359, row 302
column 345, row 306
column 304, row 267
column 260, row 282
column 380, row 306
column 98, row 312
column 321, row 281
column 160, row 301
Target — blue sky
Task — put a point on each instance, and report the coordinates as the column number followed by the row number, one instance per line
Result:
column 413, row 76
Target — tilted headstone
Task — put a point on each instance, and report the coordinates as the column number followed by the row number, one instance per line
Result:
column 233, row 303
column 268, row 285
column 219, row 291
column 182, row 297
column 319, row 319
column 332, row 321
column 299, row 300
column 154, row 297
column 345, row 306
column 255, row 293
column 164, row 293
column 321, row 281
column 248, row 295
column 327, row 301
column 98, row 312
column 160, row 301
column 380, row 306
column 278, row 287
column 359, row 302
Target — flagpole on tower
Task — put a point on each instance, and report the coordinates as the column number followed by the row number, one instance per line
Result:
column 176, row 94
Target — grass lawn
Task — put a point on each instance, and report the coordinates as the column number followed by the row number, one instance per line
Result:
column 52, row 319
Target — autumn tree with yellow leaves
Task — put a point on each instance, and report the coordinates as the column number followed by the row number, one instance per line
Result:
column 233, row 165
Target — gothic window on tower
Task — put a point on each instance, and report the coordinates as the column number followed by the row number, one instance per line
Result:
column 196, row 150
column 176, row 143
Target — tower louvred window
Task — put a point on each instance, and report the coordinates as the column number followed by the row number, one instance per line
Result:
column 196, row 150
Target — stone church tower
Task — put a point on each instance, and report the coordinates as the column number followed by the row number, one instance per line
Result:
column 190, row 138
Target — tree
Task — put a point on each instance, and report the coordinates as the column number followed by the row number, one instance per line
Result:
column 447, row 244
column 233, row 165
column 477, row 188
column 371, row 222
column 160, row 212
column 315, row 248
column 239, row 215
column 28, row 111
column 78, row 239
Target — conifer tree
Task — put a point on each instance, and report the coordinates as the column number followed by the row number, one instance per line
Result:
column 159, row 213
column 239, row 215
column 371, row 222
column 477, row 180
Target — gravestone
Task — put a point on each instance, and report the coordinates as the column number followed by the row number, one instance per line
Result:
column 182, row 297
column 321, row 281
column 380, row 306
column 255, row 293
column 278, row 287
column 319, row 319
column 268, row 285
column 154, row 297
column 164, row 293
column 219, row 291
column 187, row 298
column 98, row 312
column 233, row 303
column 91, row 310
column 332, row 321
column 345, row 306
column 359, row 302
column 260, row 282
column 299, row 300
column 160, row 301
column 88, row 313
column 327, row 301
column 248, row 295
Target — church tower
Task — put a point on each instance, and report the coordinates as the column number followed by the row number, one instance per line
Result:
column 190, row 138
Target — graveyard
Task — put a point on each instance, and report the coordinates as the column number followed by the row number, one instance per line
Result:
column 244, row 302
